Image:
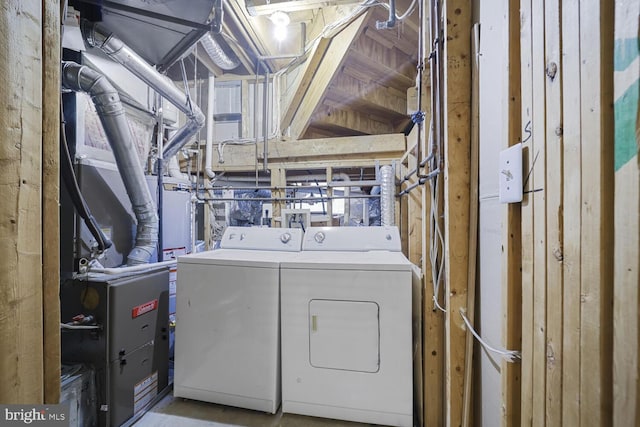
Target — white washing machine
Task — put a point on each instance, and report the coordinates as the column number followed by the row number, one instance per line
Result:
column 346, row 310
column 227, row 319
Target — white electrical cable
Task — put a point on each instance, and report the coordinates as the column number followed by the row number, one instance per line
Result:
column 512, row 356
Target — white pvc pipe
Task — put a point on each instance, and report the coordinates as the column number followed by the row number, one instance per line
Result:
column 208, row 158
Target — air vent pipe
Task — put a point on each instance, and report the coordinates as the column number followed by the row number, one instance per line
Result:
column 387, row 195
column 112, row 116
column 217, row 53
column 98, row 36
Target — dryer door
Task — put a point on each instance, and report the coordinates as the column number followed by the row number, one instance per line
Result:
column 344, row 335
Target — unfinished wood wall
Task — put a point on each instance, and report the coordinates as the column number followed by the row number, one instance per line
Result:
column 29, row 120
column 626, row 378
column 567, row 213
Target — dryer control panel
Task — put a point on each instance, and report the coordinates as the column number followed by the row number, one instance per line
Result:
column 356, row 239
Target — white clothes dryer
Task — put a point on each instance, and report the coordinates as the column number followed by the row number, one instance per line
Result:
column 228, row 319
column 347, row 327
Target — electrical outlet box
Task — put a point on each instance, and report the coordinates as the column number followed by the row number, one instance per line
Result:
column 510, row 172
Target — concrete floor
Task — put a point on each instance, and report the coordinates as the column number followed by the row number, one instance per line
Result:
column 179, row 412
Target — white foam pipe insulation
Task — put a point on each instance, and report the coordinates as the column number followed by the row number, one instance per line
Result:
column 387, row 195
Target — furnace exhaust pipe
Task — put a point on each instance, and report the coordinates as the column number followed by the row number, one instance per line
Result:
column 98, row 36
column 80, row 78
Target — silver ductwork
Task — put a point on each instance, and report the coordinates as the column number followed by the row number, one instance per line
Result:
column 387, row 195
column 112, row 116
column 217, row 54
column 98, row 36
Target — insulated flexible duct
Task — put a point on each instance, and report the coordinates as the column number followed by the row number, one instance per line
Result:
column 387, row 195
column 112, row 116
column 98, row 36
column 217, row 54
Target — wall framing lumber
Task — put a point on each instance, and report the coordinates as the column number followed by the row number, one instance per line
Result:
column 538, row 181
column 474, row 202
column 596, row 84
column 457, row 135
column 50, row 198
column 21, row 327
column 572, row 201
column 346, row 151
column 512, row 234
column 526, row 54
column 553, row 201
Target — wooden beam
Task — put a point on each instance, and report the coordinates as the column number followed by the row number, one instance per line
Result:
column 572, row 220
column 21, row 329
column 306, row 73
column 51, row 198
column 295, row 6
column 457, row 135
column 346, row 150
column 596, row 84
column 325, row 73
column 512, row 233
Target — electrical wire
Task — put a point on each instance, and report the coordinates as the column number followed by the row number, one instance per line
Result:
column 512, row 356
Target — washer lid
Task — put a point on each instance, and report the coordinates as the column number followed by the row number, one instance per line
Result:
column 352, row 239
column 345, row 260
column 262, row 239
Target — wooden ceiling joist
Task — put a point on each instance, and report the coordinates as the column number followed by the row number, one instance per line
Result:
column 392, row 76
column 351, row 91
column 354, row 120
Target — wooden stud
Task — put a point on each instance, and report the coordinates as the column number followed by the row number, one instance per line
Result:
column 512, row 234
column 538, row 181
column 50, row 198
column 526, row 54
column 553, row 200
column 473, row 221
column 572, row 202
column 21, row 332
column 279, row 181
column 596, row 84
column 457, row 123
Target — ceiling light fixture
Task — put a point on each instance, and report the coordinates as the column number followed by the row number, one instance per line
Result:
column 280, row 21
